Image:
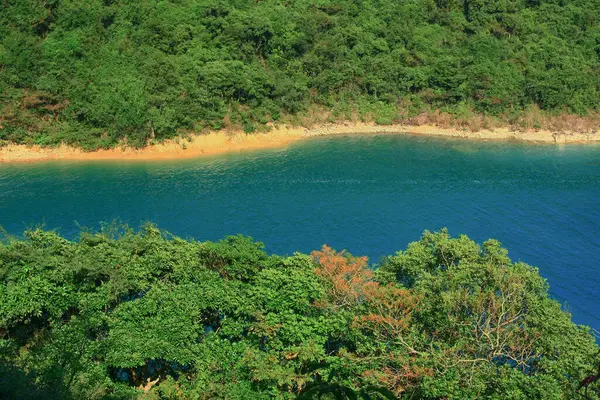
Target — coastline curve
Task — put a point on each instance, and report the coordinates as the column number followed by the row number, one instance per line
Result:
column 221, row 142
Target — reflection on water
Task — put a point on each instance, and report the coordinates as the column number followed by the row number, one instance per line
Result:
column 467, row 148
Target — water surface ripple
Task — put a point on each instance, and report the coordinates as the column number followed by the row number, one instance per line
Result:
column 371, row 195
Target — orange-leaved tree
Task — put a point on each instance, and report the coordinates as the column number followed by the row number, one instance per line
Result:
column 382, row 316
column 348, row 278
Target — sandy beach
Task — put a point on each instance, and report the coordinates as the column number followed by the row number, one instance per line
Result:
column 227, row 142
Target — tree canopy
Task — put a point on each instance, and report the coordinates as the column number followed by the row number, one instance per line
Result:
column 96, row 72
column 122, row 314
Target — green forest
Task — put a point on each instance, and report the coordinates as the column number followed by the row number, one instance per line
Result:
column 121, row 314
column 96, row 73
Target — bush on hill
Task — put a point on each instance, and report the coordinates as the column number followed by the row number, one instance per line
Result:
column 96, row 72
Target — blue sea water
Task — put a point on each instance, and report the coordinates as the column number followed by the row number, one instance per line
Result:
column 371, row 195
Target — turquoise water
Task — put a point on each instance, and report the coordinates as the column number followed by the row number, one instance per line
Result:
column 371, row 195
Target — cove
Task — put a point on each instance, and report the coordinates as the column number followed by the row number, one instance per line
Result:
column 369, row 194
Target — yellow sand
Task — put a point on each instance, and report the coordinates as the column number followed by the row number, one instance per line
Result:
column 226, row 142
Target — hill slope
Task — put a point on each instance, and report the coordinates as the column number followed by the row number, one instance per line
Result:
column 94, row 72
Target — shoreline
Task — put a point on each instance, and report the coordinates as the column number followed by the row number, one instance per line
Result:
column 222, row 142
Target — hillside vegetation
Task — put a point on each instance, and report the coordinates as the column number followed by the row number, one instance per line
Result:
column 94, row 72
column 119, row 314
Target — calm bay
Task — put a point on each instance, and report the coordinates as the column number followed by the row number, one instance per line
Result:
column 369, row 194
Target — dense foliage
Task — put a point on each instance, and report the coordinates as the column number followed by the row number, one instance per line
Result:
column 93, row 72
column 119, row 314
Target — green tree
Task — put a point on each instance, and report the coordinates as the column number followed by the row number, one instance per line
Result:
column 125, row 314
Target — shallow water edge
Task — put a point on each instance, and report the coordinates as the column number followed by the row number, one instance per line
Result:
column 222, row 142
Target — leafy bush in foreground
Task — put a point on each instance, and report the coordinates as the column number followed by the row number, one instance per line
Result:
column 123, row 314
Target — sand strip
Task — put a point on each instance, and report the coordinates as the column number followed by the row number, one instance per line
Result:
column 226, row 142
